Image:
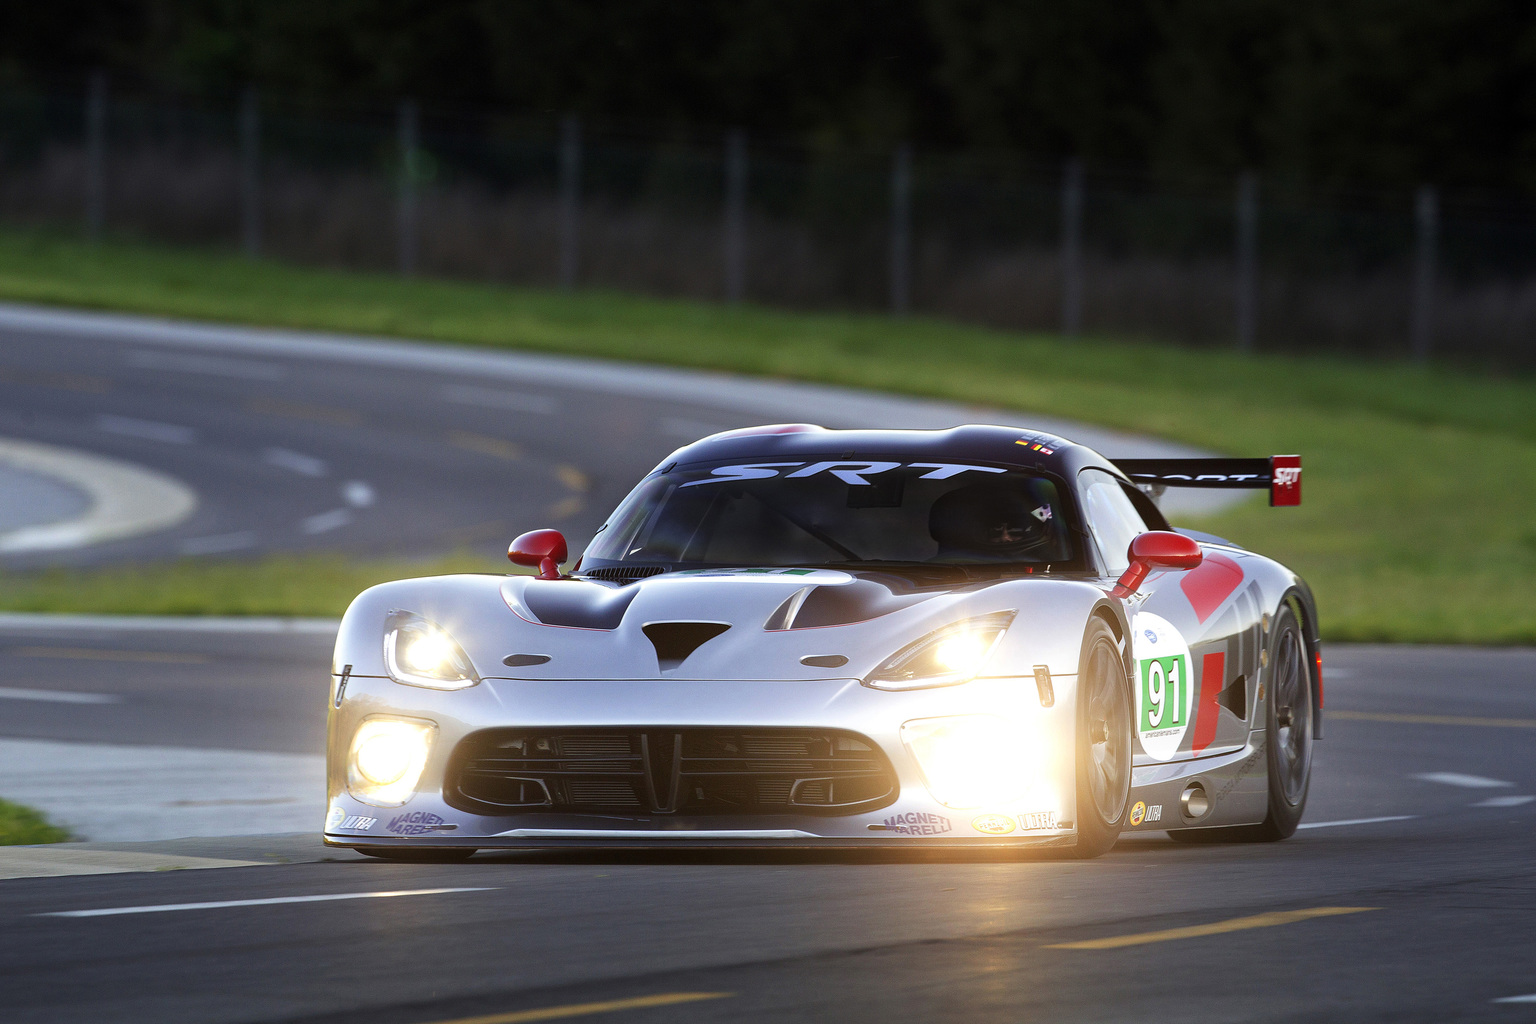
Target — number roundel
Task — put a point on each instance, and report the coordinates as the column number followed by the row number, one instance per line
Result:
column 1164, row 685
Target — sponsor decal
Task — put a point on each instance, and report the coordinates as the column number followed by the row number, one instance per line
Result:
column 1036, row 446
column 339, row 818
column 919, row 823
column 1165, row 691
column 1154, row 813
column 1038, row 443
column 993, row 824
column 1043, row 513
column 852, row 473
column 1141, row 812
column 415, row 823
column 1286, row 476
column 1034, row 821
column 1138, row 812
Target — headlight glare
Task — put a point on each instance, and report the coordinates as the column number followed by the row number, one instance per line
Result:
column 387, row 759
column 974, row 760
column 954, row 654
column 421, row 653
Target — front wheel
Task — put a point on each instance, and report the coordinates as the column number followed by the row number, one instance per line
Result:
column 1103, row 742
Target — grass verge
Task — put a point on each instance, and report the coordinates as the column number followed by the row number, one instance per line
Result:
column 22, row 826
column 1420, row 483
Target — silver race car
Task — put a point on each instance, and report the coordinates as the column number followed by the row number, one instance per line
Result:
column 972, row 637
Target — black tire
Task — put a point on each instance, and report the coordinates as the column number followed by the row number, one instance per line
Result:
column 1104, row 742
column 423, row 855
column 1287, row 741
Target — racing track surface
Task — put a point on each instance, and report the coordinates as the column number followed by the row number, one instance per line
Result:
column 1431, row 743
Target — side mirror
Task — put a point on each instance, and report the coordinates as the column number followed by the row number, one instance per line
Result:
column 544, row 549
column 1158, row 549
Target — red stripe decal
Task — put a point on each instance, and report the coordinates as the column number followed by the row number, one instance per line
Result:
column 1211, row 583
column 1213, row 678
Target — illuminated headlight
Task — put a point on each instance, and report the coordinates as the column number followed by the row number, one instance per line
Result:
column 421, row 653
column 975, row 760
column 387, row 758
column 955, row 654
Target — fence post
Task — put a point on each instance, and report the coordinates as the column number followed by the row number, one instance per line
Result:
column 1426, row 210
column 1072, row 248
column 96, row 156
column 901, row 230
column 570, row 200
column 735, row 215
column 250, row 173
column 1247, row 242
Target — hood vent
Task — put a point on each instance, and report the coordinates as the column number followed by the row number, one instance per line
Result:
column 674, row 641
column 624, row 573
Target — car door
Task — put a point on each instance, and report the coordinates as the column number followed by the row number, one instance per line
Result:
column 1194, row 637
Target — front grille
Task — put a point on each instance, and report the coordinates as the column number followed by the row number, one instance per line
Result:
column 691, row 771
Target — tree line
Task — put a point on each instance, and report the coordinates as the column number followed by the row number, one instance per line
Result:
column 1330, row 94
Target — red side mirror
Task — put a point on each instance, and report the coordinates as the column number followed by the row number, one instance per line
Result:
column 542, row 548
column 1158, row 549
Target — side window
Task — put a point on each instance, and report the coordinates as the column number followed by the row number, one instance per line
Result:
column 1112, row 519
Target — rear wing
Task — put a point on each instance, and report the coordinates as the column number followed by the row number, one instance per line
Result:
column 1281, row 474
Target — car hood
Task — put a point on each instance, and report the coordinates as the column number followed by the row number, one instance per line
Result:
column 760, row 624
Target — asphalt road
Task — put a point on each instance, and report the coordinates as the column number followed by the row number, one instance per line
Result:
column 297, row 442
column 1427, row 916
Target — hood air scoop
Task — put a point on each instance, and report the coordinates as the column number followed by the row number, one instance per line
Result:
column 674, row 641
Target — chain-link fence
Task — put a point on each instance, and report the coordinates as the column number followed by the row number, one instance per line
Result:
column 548, row 201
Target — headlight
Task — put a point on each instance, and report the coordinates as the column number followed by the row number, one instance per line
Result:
column 955, row 654
column 421, row 653
column 975, row 760
column 387, row 758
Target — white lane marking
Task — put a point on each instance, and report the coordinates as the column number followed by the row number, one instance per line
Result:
column 218, row 543
column 297, row 462
column 161, row 908
column 688, row 430
column 1504, row 801
column 1458, row 779
column 125, row 499
column 1356, row 821
column 217, row 366
column 1529, row 998
column 358, row 493
column 495, row 398
column 57, row 696
column 327, row 521
column 32, row 622
column 149, row 430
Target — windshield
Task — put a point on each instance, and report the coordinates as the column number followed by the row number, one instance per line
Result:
column 836, row 513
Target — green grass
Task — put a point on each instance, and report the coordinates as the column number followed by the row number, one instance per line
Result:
column 1419, row 522
column 22, row 826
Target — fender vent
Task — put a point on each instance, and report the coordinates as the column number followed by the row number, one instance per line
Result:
column 674, row 641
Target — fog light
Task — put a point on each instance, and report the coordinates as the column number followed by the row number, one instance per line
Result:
column 387, row 759
column 975, row 760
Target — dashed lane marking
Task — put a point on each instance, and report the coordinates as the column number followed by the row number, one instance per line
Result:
column 104, row 654
column 1458, row 779
column 496, row 398
column 590, row 1009
column 1356, row 821
column 492, row 446
column 1236, row 924
column 57, row 696
column 295, row 462
column 1529, row 998
column 163, row 908
column 327, row 521
column 148, row 430
column 218, row 544
column 1387, row 716
column 573, row 478
column 216, row 366
column 1504, row 801
column 358, row 493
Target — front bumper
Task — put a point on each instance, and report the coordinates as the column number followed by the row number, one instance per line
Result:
column 1040, row 816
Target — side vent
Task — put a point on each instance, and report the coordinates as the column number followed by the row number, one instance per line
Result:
column 674, row 641
column 1235, row 697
